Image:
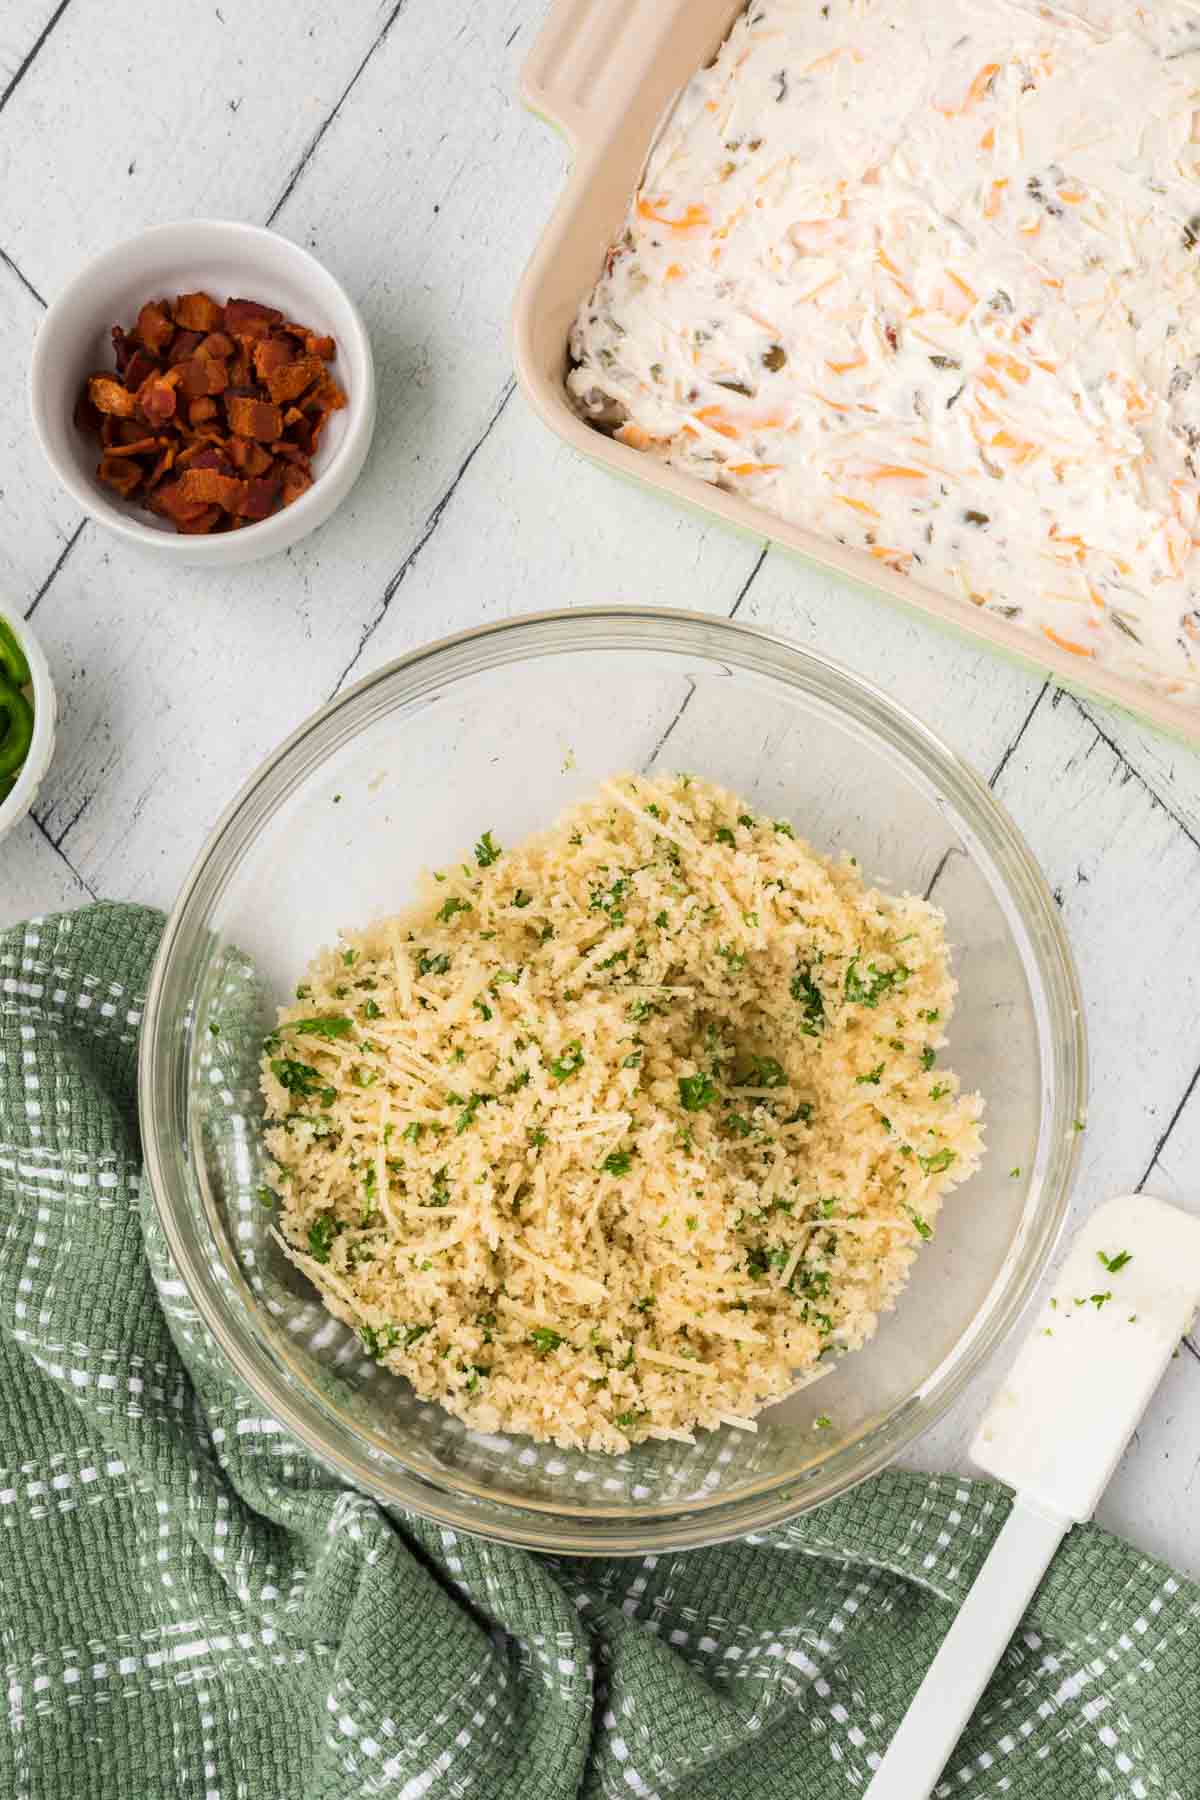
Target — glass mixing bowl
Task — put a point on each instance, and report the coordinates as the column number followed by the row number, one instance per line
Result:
column 498, row 730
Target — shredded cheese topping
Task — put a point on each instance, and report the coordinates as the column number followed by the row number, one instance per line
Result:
column 922, row 277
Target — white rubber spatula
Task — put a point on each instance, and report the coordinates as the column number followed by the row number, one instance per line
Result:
column 1127, row 1293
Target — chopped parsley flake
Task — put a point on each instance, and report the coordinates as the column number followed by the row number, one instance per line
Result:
column 1099, row 1300
column 569, row 1063
column 696, row 1092
column 924, row 1230
column 301, row 1079
column 544, row 1340
column 725, row 836
column 334, row 1025
column 812, row 1001
column 451, row 906
column 378, row 1341
column 487, row 851
column 521, row 899
column 619, row 1163
column 881, row 982
column 433, row 965
column 762, row 1072
column 1117, row 1262
column 928, row 1057
column 870, row 1080
column 321, row 1234
column 608, row 900
column 469, row 1109
column 940, row 1160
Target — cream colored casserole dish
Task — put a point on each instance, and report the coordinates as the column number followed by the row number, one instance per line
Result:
column 607, row 71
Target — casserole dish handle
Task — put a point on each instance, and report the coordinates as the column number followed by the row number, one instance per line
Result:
column 585, row 66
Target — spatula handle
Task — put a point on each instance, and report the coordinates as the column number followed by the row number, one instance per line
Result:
column 973, row 1646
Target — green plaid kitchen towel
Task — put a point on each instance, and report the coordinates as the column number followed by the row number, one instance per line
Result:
column 191, row 1610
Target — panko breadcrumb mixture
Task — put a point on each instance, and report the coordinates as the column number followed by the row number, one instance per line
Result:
column 622, row 1131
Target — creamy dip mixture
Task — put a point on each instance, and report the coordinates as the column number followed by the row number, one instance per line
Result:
column 922, row 276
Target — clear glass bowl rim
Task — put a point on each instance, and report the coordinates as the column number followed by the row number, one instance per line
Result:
column 163, row 1081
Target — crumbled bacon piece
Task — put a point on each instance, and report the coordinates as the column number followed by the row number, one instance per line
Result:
column 296, row 481
column 259, row 497
column 157, row 397
column 183, row 345
column 213, row 488
column 201, row 375
column 120, row 473
column 248, row 456
column 213, row 415
column 290, row 381
column 108, row 395
column 139, row 447
column 197, row 312
column 140, row 364
column 200, row 523
column 249, row 318
column 154, row 329
column 273, row 353
column 253, row 418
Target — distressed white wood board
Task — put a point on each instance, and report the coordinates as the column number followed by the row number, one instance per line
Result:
column 387, row 138
column 37, row 518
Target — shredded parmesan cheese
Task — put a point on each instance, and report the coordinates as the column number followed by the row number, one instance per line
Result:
column 625, row 1131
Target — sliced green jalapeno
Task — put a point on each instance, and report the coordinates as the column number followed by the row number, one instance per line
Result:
column 16, row 728
column 13, row 661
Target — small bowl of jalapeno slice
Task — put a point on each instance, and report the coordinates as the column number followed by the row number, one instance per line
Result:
column 27, row 718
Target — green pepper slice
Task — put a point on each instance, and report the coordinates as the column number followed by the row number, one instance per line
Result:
column 16, row 728
column 13, row 662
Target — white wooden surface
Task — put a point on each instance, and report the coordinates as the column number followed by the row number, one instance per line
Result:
column 387, row 139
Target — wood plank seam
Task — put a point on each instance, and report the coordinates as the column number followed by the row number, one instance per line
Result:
column 24, row 280
column 62, row 557
column 83, row 882
column 28, row 60
column 1131, row 769
column 315, row 141
column 1161, row 1145
column 998, row 771
column 750, row 580
column 691, row 693
column 431, row 525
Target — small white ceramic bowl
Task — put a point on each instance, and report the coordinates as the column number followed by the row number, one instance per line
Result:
column 226, row 260
column 33, row 770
